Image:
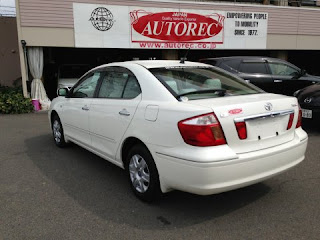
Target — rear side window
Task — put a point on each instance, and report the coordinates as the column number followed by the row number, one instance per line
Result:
column 253, row 67
column 119, row 83
column 132, row 88
column 230, row 65
column 112, row 85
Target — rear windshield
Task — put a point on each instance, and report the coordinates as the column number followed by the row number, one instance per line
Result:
column 193, row 82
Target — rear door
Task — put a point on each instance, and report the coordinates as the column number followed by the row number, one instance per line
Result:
column 112, row 111
column 257, row 73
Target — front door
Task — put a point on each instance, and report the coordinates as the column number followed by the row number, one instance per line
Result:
column 75, row 114
column 286, row 78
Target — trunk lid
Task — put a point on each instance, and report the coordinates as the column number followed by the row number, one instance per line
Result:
column 266, row 117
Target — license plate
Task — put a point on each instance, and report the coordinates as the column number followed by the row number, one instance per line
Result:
column 306, row 113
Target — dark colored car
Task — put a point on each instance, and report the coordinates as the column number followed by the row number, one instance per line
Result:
column 309, row 100
column 270, row 74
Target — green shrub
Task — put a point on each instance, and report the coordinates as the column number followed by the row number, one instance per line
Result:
column 12, row 101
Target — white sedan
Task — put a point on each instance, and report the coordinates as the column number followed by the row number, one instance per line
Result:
column 180, row 125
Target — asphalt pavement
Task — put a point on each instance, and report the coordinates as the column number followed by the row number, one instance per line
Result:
column 52, row 193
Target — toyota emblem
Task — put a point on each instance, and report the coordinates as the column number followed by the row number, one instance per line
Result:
column 308, row 100
column 268, row 106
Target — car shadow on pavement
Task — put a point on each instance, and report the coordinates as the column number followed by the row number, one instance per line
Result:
column 102, row 188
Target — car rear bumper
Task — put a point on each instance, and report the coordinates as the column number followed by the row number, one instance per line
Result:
column 205, row 178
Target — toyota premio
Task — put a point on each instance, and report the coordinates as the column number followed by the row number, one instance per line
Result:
column 180, row 126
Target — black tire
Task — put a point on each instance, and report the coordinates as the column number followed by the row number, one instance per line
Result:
column 144, row 190
column 57, row 132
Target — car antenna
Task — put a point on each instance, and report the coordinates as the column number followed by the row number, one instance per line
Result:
column 185, row 56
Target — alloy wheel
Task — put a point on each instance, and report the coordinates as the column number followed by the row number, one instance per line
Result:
column 139, row 173
column 57, row 131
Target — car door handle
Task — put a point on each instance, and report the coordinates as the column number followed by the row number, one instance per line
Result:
column 85, row 108
column 124, row 112
column 248, row 81
column 277, row 80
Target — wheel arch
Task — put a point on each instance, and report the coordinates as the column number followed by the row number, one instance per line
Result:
column 156, row 187
column 53, row 113
column 127, row 144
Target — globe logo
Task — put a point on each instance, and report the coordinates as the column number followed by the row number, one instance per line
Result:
column 102, row 19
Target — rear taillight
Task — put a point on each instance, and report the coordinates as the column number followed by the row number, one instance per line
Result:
column 291, row 117
column 204, row 130
column 241, row 129
column 290, row 121
column 299, row 122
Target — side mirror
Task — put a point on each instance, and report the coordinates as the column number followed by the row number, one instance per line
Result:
column 62, row 92
column 299, row 74
column 303, row 72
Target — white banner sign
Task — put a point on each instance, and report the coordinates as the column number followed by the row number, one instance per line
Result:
column 110, row 26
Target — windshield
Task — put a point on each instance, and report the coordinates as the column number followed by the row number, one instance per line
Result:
column 202, row 82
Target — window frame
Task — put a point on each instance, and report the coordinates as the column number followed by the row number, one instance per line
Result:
column 264, row 62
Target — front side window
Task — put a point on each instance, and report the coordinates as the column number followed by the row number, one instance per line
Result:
column 87, row 87
column 201, row 82
column 253, row 67
column 283, row 69
column 119, row 83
